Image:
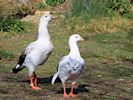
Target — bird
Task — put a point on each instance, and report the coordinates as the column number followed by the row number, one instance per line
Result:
column 70, row 66
column 37, row 52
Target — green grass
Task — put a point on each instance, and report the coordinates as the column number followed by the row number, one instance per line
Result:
column 6, row 54
column 115, row 46
column 90, row 9
column 102, row 25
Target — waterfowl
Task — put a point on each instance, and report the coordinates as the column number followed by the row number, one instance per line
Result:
column 37, row 52
column 70, row 66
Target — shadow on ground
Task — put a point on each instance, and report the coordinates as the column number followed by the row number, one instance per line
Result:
column 81, row 88
column 46, row 80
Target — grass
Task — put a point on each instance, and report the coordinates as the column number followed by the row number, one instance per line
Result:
column 95, row 17
column 105, row 24
column 89, row 8
column 6, row 54
column 117, row 47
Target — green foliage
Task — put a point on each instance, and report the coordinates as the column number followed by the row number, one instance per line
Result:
column 11, row 25
column 6, row 54
column 54, row 2
column 122, row 7
column 129, row 15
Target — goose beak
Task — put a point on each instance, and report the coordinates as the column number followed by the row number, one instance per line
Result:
column 81, row 39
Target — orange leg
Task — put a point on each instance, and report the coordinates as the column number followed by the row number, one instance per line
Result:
column 33, row 82
column 64, row 88
column 35, row 79
column 71, row 94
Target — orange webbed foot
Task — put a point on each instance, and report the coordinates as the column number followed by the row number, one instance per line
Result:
column 66, row 95
column 72, row 95
column 35, row 88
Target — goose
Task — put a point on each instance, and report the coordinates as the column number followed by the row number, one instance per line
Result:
column 37, row 52
column 70, row 66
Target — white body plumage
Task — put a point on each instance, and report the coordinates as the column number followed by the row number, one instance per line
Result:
column 71, row 66
column 70, row 69
column 37, row 52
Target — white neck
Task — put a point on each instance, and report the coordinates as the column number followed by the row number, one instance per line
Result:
column 43, row 30
column 74, row 50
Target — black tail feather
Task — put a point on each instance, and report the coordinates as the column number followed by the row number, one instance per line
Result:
column 21, row 59
column 14, row 70
column 20, row 62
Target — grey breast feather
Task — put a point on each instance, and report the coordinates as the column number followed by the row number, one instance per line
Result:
column 71, row 66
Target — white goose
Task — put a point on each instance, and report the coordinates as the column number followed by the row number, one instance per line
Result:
column 37, row 52
column 70, row 66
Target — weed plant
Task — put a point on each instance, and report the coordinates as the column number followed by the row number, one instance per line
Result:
column 11, row 25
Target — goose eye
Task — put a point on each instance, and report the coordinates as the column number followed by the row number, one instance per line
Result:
column 45, row 16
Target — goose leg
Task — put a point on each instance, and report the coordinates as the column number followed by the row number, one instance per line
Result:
column 33, row 82
column 35, row 79
column 72, row 88
column 64, row 88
